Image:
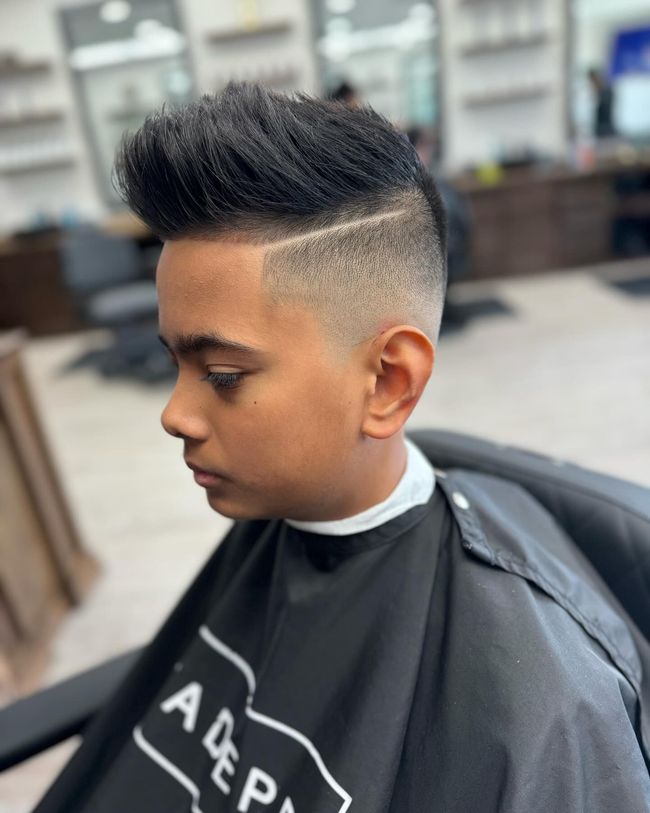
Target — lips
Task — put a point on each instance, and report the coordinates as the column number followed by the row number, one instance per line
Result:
column 204, row 477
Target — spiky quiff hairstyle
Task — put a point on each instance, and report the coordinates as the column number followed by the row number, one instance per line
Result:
column 352, row 222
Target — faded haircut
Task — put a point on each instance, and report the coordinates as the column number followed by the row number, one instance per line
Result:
column 352, row 222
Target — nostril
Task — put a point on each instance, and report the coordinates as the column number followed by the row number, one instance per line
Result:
column 175, row 433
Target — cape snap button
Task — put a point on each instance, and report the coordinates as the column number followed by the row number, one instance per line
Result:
column 460, row 500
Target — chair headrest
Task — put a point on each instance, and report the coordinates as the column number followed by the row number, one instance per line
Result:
column 607, row 518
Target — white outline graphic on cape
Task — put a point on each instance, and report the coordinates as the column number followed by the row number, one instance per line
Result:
column 212, row 641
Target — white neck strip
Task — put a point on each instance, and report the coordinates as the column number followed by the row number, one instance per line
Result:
column 415, row 488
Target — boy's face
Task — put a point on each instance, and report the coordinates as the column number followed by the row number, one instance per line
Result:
column 278, row 423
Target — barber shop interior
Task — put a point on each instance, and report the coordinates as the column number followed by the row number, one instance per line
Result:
column 164, row 164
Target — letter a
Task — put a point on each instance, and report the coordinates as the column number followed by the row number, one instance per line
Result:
column 187, row 700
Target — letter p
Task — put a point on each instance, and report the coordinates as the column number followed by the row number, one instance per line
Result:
column 259, row 787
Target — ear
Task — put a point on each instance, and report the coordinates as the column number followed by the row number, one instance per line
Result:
column 401, row 360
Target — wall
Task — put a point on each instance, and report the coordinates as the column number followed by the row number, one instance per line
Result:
column 595, row 24
column 51, row 191
column 530, row 69
column 281, row 52
column 21, row 195
column 597, row 21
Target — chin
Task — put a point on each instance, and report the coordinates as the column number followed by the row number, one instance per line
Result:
column 243, row 509
column 232, row 509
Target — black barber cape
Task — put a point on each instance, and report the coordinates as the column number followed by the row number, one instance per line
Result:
column 463, row 658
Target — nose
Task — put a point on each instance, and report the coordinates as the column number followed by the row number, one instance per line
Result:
column 181, row 417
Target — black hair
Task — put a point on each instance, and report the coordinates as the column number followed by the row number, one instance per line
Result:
column 250, row 154
column 259, row 166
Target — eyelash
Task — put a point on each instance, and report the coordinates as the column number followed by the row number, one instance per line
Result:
column 224, row 381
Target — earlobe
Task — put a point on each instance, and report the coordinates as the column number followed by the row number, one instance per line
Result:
column 402, row 360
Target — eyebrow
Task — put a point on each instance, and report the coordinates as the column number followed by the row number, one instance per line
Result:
column 187, row 344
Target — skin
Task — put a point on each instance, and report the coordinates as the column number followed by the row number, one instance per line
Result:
column 310, row 432
column 597, row 80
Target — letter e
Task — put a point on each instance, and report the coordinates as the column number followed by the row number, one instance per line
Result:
column 218, row 743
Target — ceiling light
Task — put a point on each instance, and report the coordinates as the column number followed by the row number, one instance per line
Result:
column 338, row 25
column 147, row 28
column 115, row 11
column 423, row 12
column 340, row 6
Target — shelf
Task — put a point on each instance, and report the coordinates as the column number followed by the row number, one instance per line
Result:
column 507, row 96
column 234, row 34
column 37, row 166
column 271, row 78
column 505, row 44
column 43, row 117
column 129, row 114
column 10, row 69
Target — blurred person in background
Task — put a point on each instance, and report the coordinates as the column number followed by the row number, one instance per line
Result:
column 346, row 93
column 458, row 221
column 371, row 635
column 603, row 104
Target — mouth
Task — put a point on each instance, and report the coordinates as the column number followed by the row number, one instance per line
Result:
column 204, row 477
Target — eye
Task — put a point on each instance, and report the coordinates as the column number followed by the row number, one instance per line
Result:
column 224, row 381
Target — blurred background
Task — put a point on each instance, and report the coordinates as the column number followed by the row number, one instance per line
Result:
column 534, row 117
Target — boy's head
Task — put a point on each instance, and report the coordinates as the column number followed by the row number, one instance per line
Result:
column 304, row 271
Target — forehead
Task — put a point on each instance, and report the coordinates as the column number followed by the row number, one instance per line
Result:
column 205, row 284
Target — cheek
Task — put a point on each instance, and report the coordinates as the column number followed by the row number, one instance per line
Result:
column 321, row 413
column 289, row 429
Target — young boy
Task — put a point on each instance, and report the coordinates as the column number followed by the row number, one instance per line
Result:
column 369, row 636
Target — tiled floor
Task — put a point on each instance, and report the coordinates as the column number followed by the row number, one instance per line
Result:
column 566, row 372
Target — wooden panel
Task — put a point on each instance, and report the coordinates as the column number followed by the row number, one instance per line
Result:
column 27, row 577
column 43, row 567
column 583, row 220
column 534, row 222
column 33, row 293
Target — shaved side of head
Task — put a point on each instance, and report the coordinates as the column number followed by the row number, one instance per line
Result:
column 362, row 273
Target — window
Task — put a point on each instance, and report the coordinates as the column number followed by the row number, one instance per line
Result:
column 386, row 50
column 127, row 58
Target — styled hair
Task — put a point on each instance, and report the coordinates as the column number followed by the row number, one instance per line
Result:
column 352, row 222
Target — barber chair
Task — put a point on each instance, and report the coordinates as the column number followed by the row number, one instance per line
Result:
column 104, row 274
column 608, row 519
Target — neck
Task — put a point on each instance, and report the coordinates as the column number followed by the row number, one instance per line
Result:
column 372, row 477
